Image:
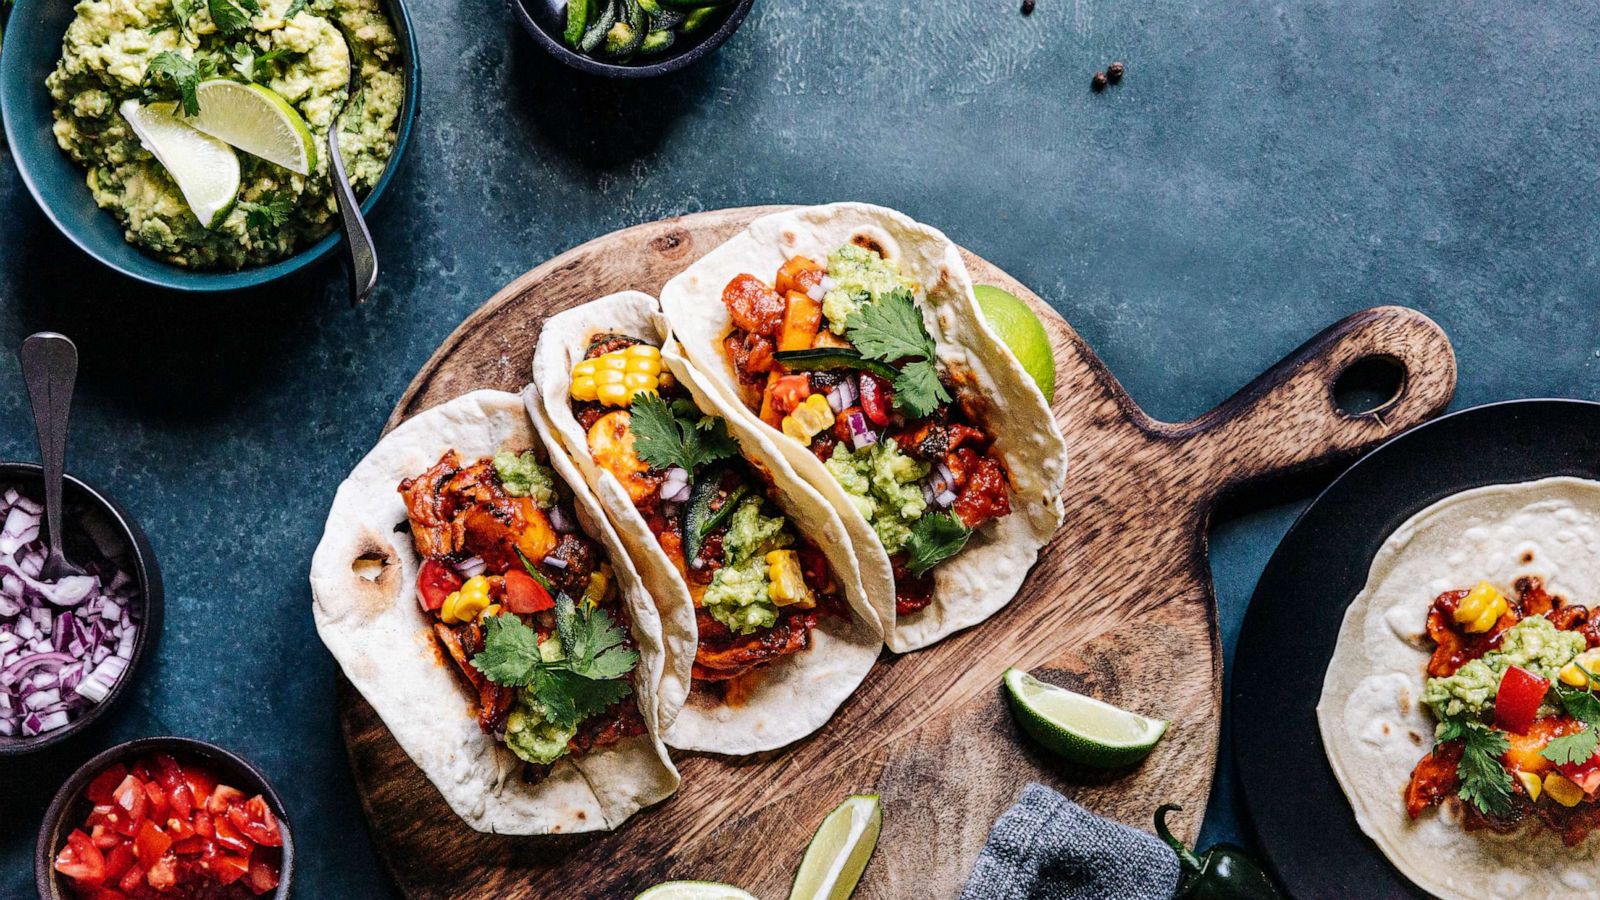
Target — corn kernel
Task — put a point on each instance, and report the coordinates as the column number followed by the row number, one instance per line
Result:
column 1562, row 790
column 613, row 360
column 1481, row 608
column 1531, row 784
column 583, row 387
column 465, row 604
column 615, row 378
column 595, row 591
column 638, row 381
column 786, row 582
column 491, row 610
column 1572, row 673
column 809, row 419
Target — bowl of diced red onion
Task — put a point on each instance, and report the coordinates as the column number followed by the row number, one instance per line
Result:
column 68, row 648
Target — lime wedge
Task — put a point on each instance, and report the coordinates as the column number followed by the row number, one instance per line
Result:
column 206, row 170
column 1082, row 729
column 1020, row 329
column 258, row 121
column 839, row 851
column 694, row 890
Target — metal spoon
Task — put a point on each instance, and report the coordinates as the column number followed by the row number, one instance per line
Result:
column 361, row 257
column 49, row 367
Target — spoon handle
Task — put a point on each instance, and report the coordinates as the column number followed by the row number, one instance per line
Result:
column 361, row 256
column 49, row 367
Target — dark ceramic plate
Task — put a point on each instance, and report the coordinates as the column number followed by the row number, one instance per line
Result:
column 79, row 499
column 546, row 20
column 1303, row 822
column 70, row 807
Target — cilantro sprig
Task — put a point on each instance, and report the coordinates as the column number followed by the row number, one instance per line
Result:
column 1582, row 704
column 182, row 74
column 677, row 435
column 587, row 678
column 890, row 330
column 1485, row 783
column 265, row 217
column 935, row 539
column 250, row 63
column 232, row 17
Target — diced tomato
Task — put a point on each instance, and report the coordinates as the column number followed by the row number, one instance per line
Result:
column 202, row 824
column 263, row 876
column 105, row 784
column 435, row 582
column 787, row 391
column 1585, row 774
column 150, row 843
column 130, row 801
column 192, row 846
column 1517, row 701
column 133, row 879
column 524, row 594
column 223, row 797
column 103, row 837
column 229, row 837
column 876, row 397
column 201, row 784
column 229, row 868
column 81, row 860
column 179, row 829
column 103, row 814
column 180, row 798
column 119, row 860
column 157, row 808
column 164, row 873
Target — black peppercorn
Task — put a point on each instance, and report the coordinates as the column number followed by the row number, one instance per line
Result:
column 1027, row 7
column 1114, row 72
column 1098, row 82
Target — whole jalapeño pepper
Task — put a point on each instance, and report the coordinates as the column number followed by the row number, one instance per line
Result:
column 1223, row 872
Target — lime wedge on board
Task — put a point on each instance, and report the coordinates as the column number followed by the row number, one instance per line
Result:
column 258, row 121
column 695, row 890
column 1020, row 330
column 1082, row 729
column 205, row 169
column 839, row 851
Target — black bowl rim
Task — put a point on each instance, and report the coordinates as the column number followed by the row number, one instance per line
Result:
column 670, row 63
column 146, row 570
column 44, row 873
column 245, row 279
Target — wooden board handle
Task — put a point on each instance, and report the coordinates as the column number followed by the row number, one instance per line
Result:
column 1288, row 421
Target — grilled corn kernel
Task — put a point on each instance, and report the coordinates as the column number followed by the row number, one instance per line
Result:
column 1572, row 673
column 491, row 610
column 614, row 378
column 464, row 605
column 1481, row 608
column 1561, row 790
column 787, row 584
column 1531, row 784
column 809, row 419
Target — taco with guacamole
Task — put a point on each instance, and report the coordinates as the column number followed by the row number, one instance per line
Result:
column 1461, row 709
column 473, row 591
column 717, row 522
column 848, row 336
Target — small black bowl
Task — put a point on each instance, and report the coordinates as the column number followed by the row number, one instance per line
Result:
column 546, row 21
column 70, row 807
column 79, row 497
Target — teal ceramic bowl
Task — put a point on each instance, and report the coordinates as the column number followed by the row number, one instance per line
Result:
column 32, row 46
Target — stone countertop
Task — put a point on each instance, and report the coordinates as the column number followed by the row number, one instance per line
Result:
column 1262, row 170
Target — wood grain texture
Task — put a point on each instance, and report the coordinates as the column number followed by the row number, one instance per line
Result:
column 1120, row 604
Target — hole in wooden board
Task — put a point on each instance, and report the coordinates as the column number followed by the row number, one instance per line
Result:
column 1369, row 385
column 369, row 565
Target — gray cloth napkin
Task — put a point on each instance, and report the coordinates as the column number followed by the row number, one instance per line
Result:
column 1048, row 848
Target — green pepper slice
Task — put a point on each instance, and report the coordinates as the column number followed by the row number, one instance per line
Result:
column 701, row 519
column 820, row 358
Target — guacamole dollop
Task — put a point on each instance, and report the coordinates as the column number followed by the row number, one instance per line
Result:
column 861, row 276
column 531, row 736
column 1533, row 643
column 522, row 475
column 304, row 57
column 740, row 593
column 886, row 487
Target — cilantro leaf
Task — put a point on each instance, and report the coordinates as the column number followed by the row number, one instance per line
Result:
column 1571, row 749
column 890, row 329
column 1580, row 703
column 663, row 437
column 917, row 388
column 251, row 65
column 355, row 111
column 568, row 698
column 184, row 75
column 232, row 17
column 1485, row 783
column 264, row 217
column 295, row 8
column 510, row 654
column 183, row 10
column 591, row 641
column 935, row 539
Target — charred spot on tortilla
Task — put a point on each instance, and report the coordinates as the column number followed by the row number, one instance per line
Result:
column 868, row 242
column 1415, row 738
column 1527, row 557
column 1385, row 728
column 376, row 579
column 370, row 564
column 1404, row 702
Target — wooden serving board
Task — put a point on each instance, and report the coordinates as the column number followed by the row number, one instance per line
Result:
column 1120, row 605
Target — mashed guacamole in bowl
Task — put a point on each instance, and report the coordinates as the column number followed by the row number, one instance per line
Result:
column 151, row 50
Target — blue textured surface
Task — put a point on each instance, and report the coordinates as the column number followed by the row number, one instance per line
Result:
column 1262, row 171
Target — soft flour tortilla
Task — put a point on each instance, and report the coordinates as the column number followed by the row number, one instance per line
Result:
column 990, row 570
column 1374, row 730
column 366, row 611
column 781, row 702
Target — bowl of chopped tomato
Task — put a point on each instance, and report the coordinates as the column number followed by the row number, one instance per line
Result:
column 165, row 818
